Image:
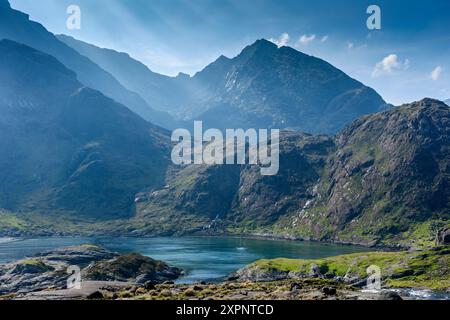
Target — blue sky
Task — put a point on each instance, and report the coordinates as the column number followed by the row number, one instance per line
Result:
column 408, row 59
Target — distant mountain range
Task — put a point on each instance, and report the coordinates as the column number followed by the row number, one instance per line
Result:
column 16, row 26
column 447, row 102
column 263, row 87
column 76, row 159
column 68, row 147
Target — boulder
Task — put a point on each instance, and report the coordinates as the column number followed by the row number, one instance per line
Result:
column 443, row 237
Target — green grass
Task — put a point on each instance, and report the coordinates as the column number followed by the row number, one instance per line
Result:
column 8, row 221
column 421, row 269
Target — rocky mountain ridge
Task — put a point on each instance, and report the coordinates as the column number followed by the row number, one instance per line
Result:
column 68, row 148
column 263, row 87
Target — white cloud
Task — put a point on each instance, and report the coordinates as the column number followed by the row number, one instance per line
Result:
column 436, row 73
column 324, row 38
column 389, row 64
column 282, row 41
column 350, row 45
column 305, row 39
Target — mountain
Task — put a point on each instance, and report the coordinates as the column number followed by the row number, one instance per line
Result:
column 389, row 178
column 68, row 148
column 16, row 26
column 263, row 87
column 383, row 179
column 447, row 102
column 236, row 198
column 266, row 86
column 159, row 91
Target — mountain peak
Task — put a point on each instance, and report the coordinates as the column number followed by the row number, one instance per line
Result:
column 264, row 43
column 223, row 58
column 42, row 61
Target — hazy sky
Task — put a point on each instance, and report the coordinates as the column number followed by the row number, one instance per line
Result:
column 408, row 59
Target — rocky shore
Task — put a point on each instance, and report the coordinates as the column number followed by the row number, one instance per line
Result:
column 110, row 276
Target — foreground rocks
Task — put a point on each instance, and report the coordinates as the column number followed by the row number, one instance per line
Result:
column 426, row 269
column 99, row 268
column 109, row 276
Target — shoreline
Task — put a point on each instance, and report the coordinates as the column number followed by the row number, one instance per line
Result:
column 254, row 236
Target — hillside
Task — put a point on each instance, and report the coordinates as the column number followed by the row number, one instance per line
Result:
column 67, row 147
column 263, row 87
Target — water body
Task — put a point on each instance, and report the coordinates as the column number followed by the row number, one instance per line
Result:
column 202, row 258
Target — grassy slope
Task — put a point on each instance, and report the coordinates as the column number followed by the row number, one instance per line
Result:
column 420, row 269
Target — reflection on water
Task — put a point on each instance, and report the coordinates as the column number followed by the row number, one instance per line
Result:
column 202, row 258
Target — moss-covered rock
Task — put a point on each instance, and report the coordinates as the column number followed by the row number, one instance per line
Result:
column 132, row 267
column 424, row 269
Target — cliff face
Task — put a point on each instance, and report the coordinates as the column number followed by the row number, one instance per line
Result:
column 388, row 179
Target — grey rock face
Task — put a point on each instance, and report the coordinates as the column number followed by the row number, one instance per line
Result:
column 262, row 87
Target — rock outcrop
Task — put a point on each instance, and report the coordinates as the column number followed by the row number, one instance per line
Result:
column 49, row 270
column 443, row 237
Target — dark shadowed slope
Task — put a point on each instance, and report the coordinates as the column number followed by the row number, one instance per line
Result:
column 161, row 92
column 67, row 147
